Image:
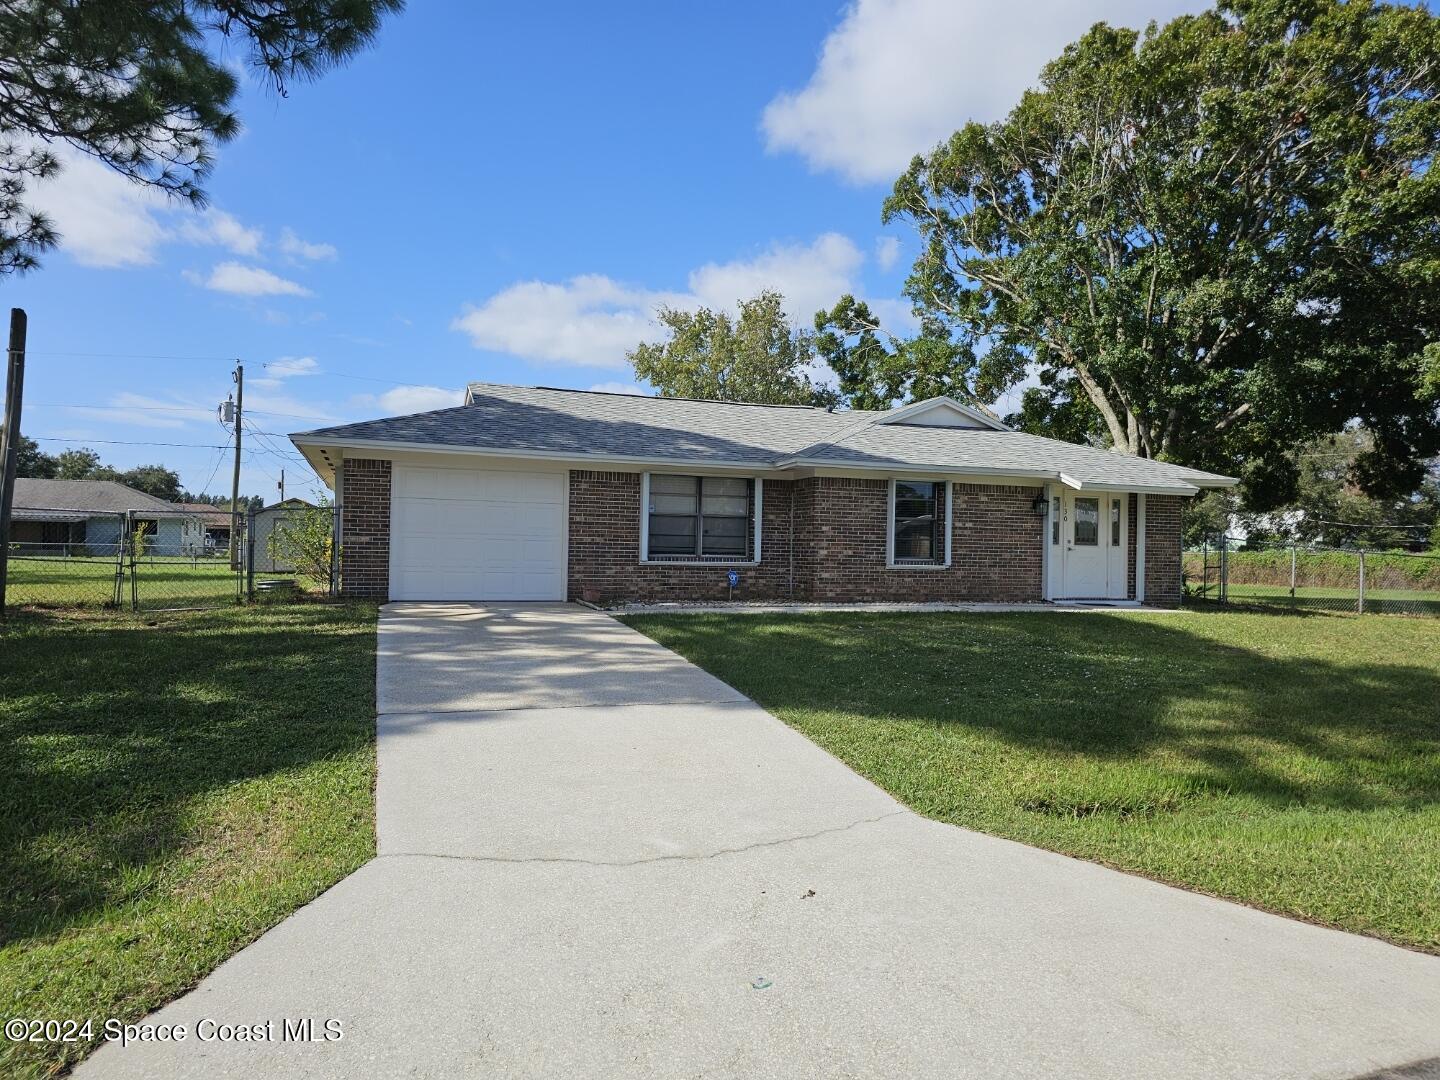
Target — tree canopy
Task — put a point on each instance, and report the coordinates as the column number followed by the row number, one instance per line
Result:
column 756, row 357
column 875, row 368
column 1210, row 241
column 1329, row 508
column 141, row 86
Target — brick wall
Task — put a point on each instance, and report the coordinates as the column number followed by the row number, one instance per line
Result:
column 1162, row 549
column 840, row 527
column 365, row 528
column 996, row 546
column 605, row 547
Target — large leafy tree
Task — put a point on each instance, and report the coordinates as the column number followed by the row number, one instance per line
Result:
column 876, row 368
column 31, row 461
column 141, row 86
column 1211, row 241
column 756, row 356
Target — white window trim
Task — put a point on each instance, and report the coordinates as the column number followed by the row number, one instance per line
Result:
column 721, row 562
column 890, row 563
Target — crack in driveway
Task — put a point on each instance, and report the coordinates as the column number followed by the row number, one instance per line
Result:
column 575, row 860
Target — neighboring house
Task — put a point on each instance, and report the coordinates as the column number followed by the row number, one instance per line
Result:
column 264, row 523
column 214, row 520
column 531, row 493
column 74, row 517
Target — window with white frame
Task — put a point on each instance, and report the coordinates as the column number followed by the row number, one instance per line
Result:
column 700, row 517
column 918, row 517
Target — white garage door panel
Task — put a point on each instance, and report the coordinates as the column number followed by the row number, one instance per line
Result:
column 477, row 534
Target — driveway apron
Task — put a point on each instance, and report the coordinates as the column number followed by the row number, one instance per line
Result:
column 596, row 860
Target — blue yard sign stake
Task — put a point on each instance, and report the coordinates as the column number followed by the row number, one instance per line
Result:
column 734, row 578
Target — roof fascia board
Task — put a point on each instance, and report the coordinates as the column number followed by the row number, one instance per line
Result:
column 1175, row 488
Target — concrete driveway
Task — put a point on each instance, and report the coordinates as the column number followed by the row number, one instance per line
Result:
column 596, row 860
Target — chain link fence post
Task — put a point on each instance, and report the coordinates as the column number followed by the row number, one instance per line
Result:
column 1224, row 569
column 1360, row 599
column 250, row 555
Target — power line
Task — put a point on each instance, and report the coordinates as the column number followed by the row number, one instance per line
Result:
column 135, row 356
column 371, row 378
column 219, row 459
column 124, row 442
column 201, row 409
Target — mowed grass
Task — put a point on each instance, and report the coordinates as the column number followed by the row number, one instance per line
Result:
column 159, row 582
column 171, row 786
column 1290, row 761
column 1326, row 598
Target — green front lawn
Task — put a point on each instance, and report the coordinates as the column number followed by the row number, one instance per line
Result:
column 171, row 786
column 1291, row 761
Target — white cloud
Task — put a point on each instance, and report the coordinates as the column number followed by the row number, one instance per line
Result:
column 589, row 320
column 811, row 276
column 107, row 221
column 103, row 219
column 140, row 410
column 286, row 367
column 296, row 248
column 620, row 388
column 897, row 76
column 241, row 280
column 219, row 229
column 887, row 252
column 592, row 320
column 414, row 399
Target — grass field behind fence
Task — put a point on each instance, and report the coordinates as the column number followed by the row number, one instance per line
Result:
column 161, row 581
column 1324, row 580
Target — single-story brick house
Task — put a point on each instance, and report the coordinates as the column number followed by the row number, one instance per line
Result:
column 88, row 517
column 533, row 493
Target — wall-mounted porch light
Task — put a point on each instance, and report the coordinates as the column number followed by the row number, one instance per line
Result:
column 1041, row 503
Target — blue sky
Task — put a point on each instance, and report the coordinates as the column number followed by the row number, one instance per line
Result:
column 505, row 193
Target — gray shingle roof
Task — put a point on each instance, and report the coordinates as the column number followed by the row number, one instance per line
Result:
column 625, row 425
column 82, row 496
column 600, row 425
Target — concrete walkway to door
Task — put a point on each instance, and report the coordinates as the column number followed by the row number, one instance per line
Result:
column 598, row 861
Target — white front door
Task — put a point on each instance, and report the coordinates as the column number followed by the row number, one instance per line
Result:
column 477, row 534
column 1093, row 538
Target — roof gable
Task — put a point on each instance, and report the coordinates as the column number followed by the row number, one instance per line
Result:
column 941, row 412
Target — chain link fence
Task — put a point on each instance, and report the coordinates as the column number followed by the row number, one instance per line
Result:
column 1314, row 578
column 152, row 560
column 290, row 550
column 60, row 558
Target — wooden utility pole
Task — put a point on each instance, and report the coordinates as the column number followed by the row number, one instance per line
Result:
column 235, row 480
column 10, row 439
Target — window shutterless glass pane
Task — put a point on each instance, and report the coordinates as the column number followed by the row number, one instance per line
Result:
column 674, row 485
column 720, row 543
column 1087, row 522
column 672, row 535
column 718, row 526
column 916, row 522
column 1055, row 521
column 725, row 505
column 726, row 485
column 661, row 503
column 915, row 539
column 1114, row 522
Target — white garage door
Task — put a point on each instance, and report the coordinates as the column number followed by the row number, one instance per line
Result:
column 476, row 534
